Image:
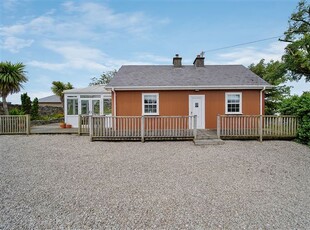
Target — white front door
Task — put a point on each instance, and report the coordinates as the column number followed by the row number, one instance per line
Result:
column 197, row 107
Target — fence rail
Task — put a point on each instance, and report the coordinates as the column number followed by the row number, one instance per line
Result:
column 264, row 126
column 15, row 124
column 142, row 127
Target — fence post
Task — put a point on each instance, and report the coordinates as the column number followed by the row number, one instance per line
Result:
column 260, row 128
column 28, row 124
column 90, row 124
column 142, row 128
column 218, row 126
column 79, row 125
column 195, row 126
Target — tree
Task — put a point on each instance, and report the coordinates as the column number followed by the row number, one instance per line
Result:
column 59, row 87
column 299, row 106
column 297, row 52
column 35, row 109
column 11, row 78
column 26, row 103
column 104, row 78
column 274, row 73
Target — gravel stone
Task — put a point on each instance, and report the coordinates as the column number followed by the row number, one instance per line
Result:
column 68, row 182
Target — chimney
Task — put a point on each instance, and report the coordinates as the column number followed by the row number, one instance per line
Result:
column 177, row 61
column 199, row 61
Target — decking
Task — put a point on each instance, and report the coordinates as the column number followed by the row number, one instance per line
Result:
column 52, row 129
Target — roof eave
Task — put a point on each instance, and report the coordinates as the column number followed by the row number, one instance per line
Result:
column 213, row 87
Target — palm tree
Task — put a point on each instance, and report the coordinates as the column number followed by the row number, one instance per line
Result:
column 11, row 78
column 59, row 87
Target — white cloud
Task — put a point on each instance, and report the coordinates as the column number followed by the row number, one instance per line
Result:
column 100, row 15
column 14, row 44
column 47, row 65
column 86, row 21
column 9, row 4
column 248, row 55
column 147, row 57
column 76, row 57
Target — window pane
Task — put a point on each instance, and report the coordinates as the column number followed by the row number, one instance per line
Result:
column 96, row 106
column 84, row 107
column 233, row 103
column 150, row 103
column 72, row 106
column 107, row 106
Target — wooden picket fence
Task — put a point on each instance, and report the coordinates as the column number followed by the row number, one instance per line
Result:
column 142, row 127
column 256, row 126
column 15, row 124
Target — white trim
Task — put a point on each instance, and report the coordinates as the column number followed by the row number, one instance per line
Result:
column 202, row 87
column 261, row 101
column 114, row 102
column 203, row 115
column 240, row 105
column 157, row 104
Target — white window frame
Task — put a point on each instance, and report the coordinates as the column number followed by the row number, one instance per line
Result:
column 226, row 102
column 157, row 104
column 68, row 97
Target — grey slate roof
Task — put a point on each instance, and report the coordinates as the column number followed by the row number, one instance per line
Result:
column 50, row 99
column 94, row 89
column 186, row 76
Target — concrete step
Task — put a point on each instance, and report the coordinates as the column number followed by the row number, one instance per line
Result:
column 209, row 142
column 200, row 137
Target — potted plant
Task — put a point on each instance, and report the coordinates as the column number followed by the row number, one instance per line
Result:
column 62, row 125
column 69, row 126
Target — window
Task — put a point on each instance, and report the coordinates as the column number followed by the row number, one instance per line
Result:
column 84, row 107
column 107, row 106
column 233, row 103
column 150, row 104
column 72, row 106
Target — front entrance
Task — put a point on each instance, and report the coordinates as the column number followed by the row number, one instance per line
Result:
column 197, row 107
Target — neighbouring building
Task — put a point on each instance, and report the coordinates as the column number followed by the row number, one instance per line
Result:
column 52, row 100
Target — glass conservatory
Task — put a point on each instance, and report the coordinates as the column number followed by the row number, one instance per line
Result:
column 95, row 100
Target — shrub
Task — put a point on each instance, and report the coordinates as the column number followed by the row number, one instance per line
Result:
column 26, row 103
column 16, row 111
column 35, row 109
column 299, row 106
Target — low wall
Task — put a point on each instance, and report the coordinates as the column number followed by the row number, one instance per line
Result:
column 43, row 110
column 46, row 122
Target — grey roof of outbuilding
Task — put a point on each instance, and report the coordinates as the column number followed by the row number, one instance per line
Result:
column 94, row 89
column 166, row 75
column 50, row 99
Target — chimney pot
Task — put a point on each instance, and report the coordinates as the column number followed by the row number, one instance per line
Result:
column 199, row 61
column 177, row 61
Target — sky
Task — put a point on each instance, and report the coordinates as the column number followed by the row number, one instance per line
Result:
column 74, row 41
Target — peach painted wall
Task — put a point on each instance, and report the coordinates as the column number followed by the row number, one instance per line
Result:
column 175, row 103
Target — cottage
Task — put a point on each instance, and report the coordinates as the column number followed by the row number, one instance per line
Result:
column 183, row 90
column 95, row 100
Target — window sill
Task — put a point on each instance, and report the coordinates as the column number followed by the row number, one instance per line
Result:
column 150, row 114
column 233, row 113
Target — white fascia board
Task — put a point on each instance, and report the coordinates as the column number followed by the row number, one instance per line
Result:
column 213, row 87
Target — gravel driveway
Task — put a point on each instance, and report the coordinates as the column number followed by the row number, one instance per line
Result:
column 66, row 181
